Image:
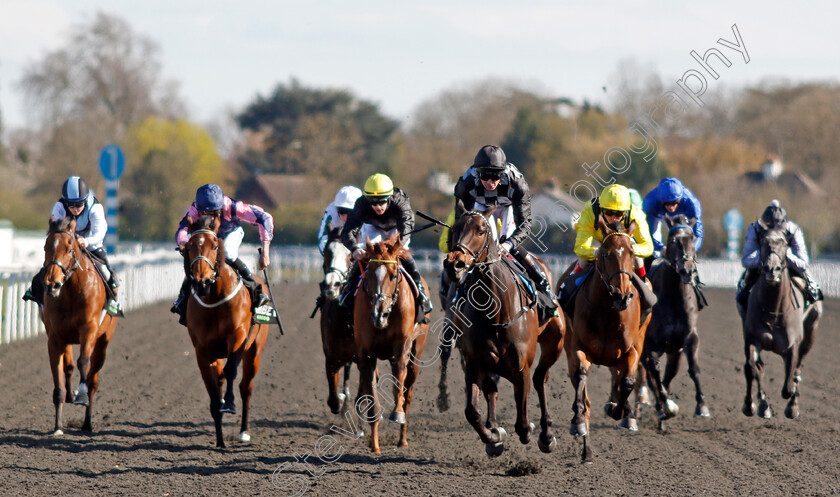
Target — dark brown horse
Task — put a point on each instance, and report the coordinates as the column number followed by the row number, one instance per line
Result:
column 606, row 331
column 776, row 319
column 673, row 326
column 73, row 314
column 384, row 322
column 336, row 324
column 219, row 324
column 499, row 331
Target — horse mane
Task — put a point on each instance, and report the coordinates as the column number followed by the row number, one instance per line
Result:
column 387, row 249
column 62, row 224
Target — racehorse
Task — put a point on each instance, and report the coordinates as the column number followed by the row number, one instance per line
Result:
column 448, row 340
column 499, row 331
column 606, row 330
column 673, row 325
column 219, row 324
column 384, row 325
column 336, row 324
column 776, row 319
column 73, row 314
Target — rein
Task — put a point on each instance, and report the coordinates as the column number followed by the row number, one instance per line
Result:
column 201, row 257
column 380, row 297
column 610, row 288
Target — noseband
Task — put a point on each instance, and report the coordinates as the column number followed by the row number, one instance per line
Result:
column 74, row 266
column 201, row 257
column 485, row 247
column 611, row 289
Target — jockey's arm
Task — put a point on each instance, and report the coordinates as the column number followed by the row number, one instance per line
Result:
column 182, row 233
column 252, row 214
column 98, row 226
column 352, row 228
column 585, row 235
column 323, row 231
column 750, row 255
column 797, row 254
column 521, row 214
column 644, row 242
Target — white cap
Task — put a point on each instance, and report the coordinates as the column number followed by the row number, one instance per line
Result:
column 775, row 203
column 346, row 197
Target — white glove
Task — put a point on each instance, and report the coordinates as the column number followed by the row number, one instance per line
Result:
column 359, row 254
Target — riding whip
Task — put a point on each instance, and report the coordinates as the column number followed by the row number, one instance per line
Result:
column 271, row 296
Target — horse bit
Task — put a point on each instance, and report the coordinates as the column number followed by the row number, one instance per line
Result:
column 380, row 297
column 613, row 290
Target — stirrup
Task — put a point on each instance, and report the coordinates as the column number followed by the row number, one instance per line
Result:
column 113, row 308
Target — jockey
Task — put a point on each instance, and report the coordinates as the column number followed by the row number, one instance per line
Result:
column 209, row 199
column 335, row 215
column 670, row 198
column 774, row 216
column 379, row 213
column 613, row 206
column 491, row 182
column 78, row 201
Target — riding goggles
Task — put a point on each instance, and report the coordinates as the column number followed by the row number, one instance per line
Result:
column 343, row 211
column 671, row 204
column 490, row 176
column 379, row 201
column 612, row 213
column 80, row 203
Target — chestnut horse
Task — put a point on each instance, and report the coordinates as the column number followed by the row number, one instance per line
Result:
column 384, row 323
column 499, row 331
column 73, row 313
column 607, row 331
column 219, row 324
column 336, row 324
column 776, row 319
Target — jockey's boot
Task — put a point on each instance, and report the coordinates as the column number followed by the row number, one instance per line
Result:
column 425, row 304
column 812, row 289
column 112, row 280
column 545, row 296
column 258, row 298
column 742, row 294
column 179, row 307
column 349, row 288
column 35, row 292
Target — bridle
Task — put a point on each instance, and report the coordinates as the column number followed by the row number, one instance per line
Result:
column 678, row 263
column 379, row 297
column 485, row 247
column 201, row 257
column 611, row 289
column 75, row 263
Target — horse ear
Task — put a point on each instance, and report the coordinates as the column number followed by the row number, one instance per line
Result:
column 368, row 245
column 692, row 222
column 669, row 222
column 459, row 208
column 71, row 226
column 632, row 228
column 53, row 223
column 489, row 212
column 606, row 230
column 761, row 225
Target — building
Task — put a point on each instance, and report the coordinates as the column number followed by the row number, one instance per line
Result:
column 555, row 206
column 773, row 173
column 270, row 191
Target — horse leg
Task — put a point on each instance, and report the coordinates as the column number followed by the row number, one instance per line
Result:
column 69, row 367
column 578, row 373
column 625, row 382
column 490, row 387
column 750, row 374
column 493, row 438
column 210, row 371
column 345, row 390
column 521, row 388
column 97, row 360
column 672, row 365
column 443, row 394
column 250, row 367
column 367, row 405
column 85, row 351
column 410, row 378
column 642, row 390
column 333, row 400
column 230, row 369
column 809, row 328
column 791, row 388
column 651, row 363
column 548, row 356
column 56, row 354
column 692, row 345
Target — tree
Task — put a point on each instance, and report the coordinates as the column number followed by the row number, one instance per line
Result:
column 168, row 161
column 325, row 132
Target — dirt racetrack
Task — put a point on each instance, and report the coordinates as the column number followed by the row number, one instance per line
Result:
column 153, row 434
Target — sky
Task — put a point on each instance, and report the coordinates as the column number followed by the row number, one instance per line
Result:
column 399, row 54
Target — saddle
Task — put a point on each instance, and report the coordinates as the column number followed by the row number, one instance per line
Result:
column 112, row 305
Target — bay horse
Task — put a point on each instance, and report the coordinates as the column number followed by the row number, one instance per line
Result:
column 673, row 327
column 606, row 330
column 219, row 324
column 336, row 324
column 73, row 313
column 776, row 319
column 499, row 332
column 384, row 328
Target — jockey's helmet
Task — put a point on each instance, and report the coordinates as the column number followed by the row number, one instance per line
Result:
column 75, row 191
column 346, row 197
column 671, row 190
column 774, row 216
column 379, row 186
column 209, row 198
column 490, row 158
column 615, row 198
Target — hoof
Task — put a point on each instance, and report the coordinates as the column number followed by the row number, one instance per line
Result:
column 764, row 410
column 498, row 448
column 702, row 412
column 397, row 417
column 341, row 397
column 644, row 396
column 244, row 437
column 58, row 433
column 228, row 408
column 443, row 402
column 748, row 409
column 629, row 424
column 609, row 409
column 578, row 430
column 81, row 399
column 549, row 447
column 792, row 412
column 670, row 408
